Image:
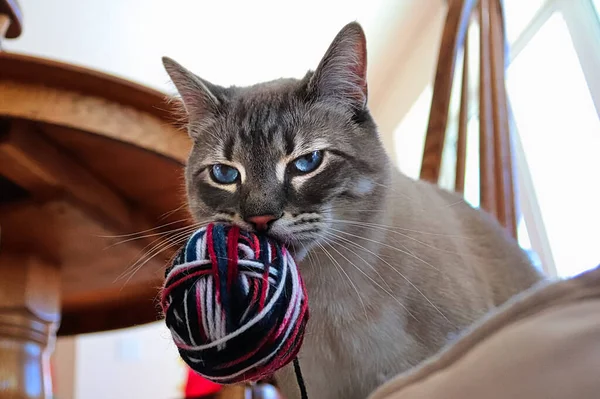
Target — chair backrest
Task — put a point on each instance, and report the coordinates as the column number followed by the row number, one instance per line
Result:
column 10, row 19
column 496, row 164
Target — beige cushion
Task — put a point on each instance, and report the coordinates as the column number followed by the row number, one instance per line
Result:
column 543, row 344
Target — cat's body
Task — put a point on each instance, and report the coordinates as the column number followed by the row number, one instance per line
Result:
column 446, row 263
column 393, row 267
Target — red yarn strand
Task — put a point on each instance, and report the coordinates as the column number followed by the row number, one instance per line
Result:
column 214, row 261
column 246, row 337
column 232, row 260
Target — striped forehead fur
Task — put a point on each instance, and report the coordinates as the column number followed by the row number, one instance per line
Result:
column 262, row 129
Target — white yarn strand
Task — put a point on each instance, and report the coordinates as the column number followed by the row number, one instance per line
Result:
column 213, row 319
column 187, row 317
column 259, row 316
column 296, row 293
column 203, row 295
column 207, row 310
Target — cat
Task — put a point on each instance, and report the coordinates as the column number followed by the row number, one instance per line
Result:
column 393, row 266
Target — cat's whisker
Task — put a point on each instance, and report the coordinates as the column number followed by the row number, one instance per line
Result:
column 139, row 267
column 309, row 256
column 341, row 270
column 167, row 214
column 399, row 273
column 143, row 231
column 387, row 246
column 394, row 228
column 350, row 279
column 373, row 226
column 162, row 246
column 157, row 251
column 460, row 201
column 313, row 263
column 163, row 233
column 337, row 240
column 329, row 256
column 369, row 277
column 144, row 251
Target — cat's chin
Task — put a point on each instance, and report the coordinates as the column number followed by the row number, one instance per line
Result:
column 298, row 247
column 298, row 253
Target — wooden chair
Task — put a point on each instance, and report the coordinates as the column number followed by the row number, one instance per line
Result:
column 496, row 164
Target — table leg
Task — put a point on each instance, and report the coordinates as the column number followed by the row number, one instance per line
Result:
column 29, row 317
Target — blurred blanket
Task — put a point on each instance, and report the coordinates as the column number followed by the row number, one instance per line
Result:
column 542, row 344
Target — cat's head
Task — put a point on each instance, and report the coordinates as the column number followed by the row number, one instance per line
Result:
column 287, row 156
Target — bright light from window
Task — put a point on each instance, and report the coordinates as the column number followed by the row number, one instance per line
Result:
column 472, row 163
column 525, row 243
column 559, row 127
column 518, row 14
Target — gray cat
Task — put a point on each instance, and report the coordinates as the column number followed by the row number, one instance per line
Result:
column 392, row 266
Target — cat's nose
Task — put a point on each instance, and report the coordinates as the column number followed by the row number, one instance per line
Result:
column 261, row 222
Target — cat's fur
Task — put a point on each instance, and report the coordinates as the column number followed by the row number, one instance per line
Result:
column 394, row 266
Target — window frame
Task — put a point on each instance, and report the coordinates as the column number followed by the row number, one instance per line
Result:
column 583, row 25
column 584, row 28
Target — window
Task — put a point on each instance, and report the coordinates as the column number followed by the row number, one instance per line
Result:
column 553, row 84
column 518, row 15
column 559, row 131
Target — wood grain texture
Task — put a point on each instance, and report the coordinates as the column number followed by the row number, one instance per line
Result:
column 91, row 270
column 487, row 187
column 497, row 183
column 457, row 21
column 93, row 115
column 42, row 166
column 98, row 158
column 64, row 95
column 504, row 165
column 29, row 315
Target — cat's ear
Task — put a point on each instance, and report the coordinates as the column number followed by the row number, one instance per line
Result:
column 341, row 76
column 197, row 95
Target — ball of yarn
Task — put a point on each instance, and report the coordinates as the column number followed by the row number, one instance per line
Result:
column 235, row 304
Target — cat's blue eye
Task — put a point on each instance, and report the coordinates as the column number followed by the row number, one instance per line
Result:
column 309, row 162
column 224, row 174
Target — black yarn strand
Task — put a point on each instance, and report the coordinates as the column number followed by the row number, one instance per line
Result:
column 300, row 379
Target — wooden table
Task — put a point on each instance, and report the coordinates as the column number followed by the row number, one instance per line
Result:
column 84, row 159
column 92, row 204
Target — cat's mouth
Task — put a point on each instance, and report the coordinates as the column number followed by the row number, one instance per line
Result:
column 298, row 243
column 299, row 232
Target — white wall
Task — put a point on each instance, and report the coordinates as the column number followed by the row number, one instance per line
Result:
column 63, row 367
column 140, row 362
column 403, row 87
column 228, row 42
